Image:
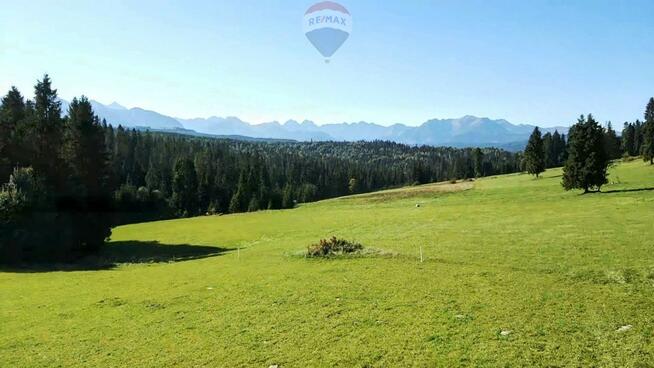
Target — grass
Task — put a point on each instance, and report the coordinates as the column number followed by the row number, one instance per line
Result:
column 563, row 272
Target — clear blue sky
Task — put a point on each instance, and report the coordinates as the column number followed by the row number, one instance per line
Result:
column 536, row 61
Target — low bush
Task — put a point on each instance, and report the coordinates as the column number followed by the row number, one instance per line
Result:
column 333, row 247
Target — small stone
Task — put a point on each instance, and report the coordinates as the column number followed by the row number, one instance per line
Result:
column 505, row 332
column 625, row 328
column 209, row 288
column 274, row 366
column 459, row 316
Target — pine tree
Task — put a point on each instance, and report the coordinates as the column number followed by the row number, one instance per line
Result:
column 478, row 162
column 648, row 133
column 535, row 154
column 638, row 138
column 288, row 199
column 185, row 185
column 548, row 147
column 12, row 112
column 587, row 164
column 237, row 203
column 87, row 159
column 47, row 140
column 611, row 142
column 628, row 137
column 557, row 151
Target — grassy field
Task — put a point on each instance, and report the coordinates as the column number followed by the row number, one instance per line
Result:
column 516, row 272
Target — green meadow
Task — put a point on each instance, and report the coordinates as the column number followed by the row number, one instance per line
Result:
column 515, row 272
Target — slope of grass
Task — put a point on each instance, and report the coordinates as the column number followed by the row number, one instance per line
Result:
column 516, row 272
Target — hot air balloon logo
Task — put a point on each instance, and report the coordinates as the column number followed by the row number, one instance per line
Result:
column 327, row 25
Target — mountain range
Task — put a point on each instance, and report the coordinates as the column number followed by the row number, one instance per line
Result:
column 468, row 131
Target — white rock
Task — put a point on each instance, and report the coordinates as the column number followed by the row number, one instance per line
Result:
column 625, row 328
column 274, row 366
column 505, row 332
column 459, row 316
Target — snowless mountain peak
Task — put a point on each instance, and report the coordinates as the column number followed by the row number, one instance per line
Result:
column 467, row 131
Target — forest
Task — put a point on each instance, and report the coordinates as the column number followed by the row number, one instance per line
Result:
column 70, row 177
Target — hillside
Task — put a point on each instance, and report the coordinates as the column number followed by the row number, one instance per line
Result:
column 516, row 272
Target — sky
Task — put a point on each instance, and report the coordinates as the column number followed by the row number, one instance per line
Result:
column 542, row 62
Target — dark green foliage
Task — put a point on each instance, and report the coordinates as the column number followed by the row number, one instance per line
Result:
column 478, row 162
column 235, row 176
column 587, row 164
column 185, row 185
column 12, row 113
column 611, row 143
column 632, row 138
column 648, row 133
column 47, row 136
column 535, row 154
column 133, row 205
column 91, row 175
column 333, row 247
column 88, row 196
column 58, row 205
column 22, row 205
column 555, row 151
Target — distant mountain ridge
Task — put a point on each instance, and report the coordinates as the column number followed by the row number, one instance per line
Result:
column 467, row 131
column 116, row 114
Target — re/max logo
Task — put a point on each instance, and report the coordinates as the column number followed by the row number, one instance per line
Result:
column 327, row 19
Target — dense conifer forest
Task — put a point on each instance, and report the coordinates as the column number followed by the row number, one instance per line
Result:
column 71, row 177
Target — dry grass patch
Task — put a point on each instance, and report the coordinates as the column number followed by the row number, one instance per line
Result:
column 416, row 191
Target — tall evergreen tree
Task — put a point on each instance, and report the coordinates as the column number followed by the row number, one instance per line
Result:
column 611, row 142
column 88, row 188
column 12, row 112
column 185, row 185
column 548, row 147
column 648, row 133
column 47, row 140
column 587, row 164
column 535, row 154
column 561, row 148
column 628, row 137
column 478, row 162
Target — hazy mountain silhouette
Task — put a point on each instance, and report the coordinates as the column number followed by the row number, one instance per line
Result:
column 462, row 132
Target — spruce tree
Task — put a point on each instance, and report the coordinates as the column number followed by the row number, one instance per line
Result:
column 185, row 185
column 12, row 113
column 638, row 138
column 611, row 142
column 237, row 203
column 535, row 154
column 558, row 153
column 587, row 164
column 87, row 159
column 648, row 133
column 548, row 148
column 478, row 162
column 628, row 137
column 47, row 140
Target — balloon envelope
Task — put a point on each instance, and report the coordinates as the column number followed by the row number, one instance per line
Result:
column 327, row 25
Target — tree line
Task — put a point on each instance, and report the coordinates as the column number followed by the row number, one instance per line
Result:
column 590, row 149
column 69, row 177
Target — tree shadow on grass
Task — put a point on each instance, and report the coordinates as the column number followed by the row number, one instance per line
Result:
column 628, row 190
column 127, row 252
